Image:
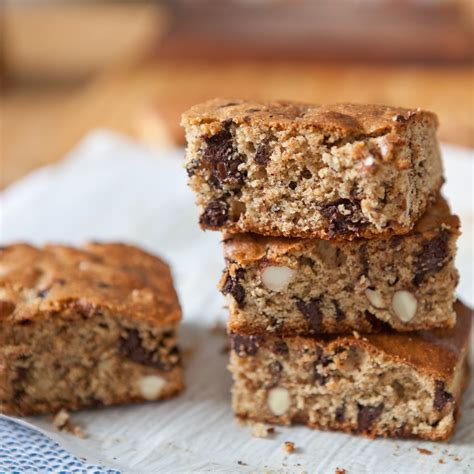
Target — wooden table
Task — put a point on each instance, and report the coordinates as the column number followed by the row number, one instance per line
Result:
column 146, row 100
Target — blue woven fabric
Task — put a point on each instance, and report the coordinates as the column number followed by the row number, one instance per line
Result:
column 24, row 450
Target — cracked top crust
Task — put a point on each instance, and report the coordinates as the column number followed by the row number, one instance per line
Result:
column 247, row 248
column 122, row 279
column 342, row 120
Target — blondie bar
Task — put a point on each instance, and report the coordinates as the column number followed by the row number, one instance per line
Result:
column 297, row 170
column 85, row 327
column 304, row 286
column 398, row 384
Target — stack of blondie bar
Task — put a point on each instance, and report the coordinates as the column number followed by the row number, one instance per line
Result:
column 340, row 263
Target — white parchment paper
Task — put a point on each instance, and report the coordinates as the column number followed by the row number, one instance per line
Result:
column 110, row 188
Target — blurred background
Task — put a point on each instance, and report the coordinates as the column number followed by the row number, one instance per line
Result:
column 68, row 67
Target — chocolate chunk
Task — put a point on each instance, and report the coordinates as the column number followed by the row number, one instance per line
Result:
column 402, row 119
column 401, row 431
column 43, row 293
column 222, row 158
column 6, row 308
column 262, row 155
column 215, row 215
column 275, row 369
column 396, row 241
column 312, row 312
column 95, row 402
column 233, row 287
column 340, row 315
column 432, row 258
column 280, row 348
column 306, row 174
column 300, row 419
column 320, row 362
column 364, row 260
column 367, row 416
column 131, row 347
column 441, row 396
column 322, row 359
column 376, row 324
column 344, row 217
column 320, row 378
column 19, row 380
column 275, row 323
column 340, row 413
column 244, row 345
column 192, row 167
column 292, row 185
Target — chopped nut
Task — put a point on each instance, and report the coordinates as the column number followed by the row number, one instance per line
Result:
column 289, row 447
column 277, row 278
column 151, row 386
column 404, row 305
column 340, row 470
column 278, row 400
column 424, row 451
column 375, row 298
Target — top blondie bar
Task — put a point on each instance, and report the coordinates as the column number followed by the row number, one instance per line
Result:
column 299, row 170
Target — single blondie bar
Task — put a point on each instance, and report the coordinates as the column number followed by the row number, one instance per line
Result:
column 85, row 327
column 398, row 384
column 308, row 286
column 297, row 170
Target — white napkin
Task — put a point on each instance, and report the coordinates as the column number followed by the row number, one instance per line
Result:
column 110, row 188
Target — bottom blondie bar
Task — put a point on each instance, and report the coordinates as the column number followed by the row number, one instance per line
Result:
column 397, row 384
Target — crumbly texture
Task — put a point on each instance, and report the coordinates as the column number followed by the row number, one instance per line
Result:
column 398, row 384
column 309, row 286
column 85, row 327
column 298, row 170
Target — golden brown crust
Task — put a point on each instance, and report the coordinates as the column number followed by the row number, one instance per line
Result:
column 37, row 282
column 345, row 120
column 247, row 248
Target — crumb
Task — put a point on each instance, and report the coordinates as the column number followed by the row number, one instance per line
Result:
column 424, row 451
column 441, row 461
column 289, row 447
column 62, row 422
column 340, row 470
column 241, row 463
column 259, row 430
column 356, row 334
column 457, row 459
